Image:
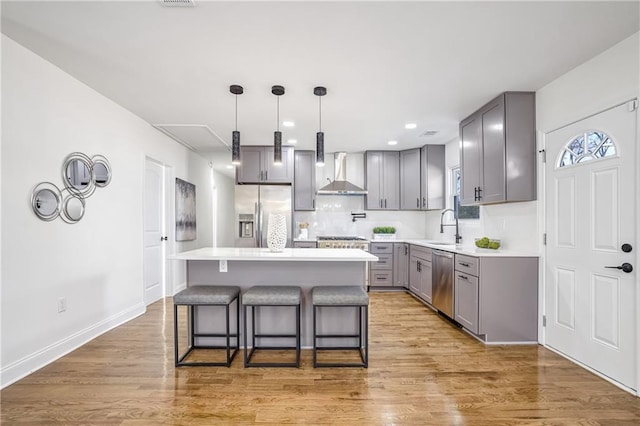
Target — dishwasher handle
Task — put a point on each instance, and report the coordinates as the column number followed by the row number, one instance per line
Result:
column 446, row 254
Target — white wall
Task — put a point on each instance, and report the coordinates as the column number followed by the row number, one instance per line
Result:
column 97, row 263
column 224, row 211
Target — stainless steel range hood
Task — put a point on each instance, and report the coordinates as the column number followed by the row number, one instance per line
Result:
column 340, row 186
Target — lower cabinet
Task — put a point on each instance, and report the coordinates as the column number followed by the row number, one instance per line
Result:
column 304, row 244
column 496, row 298
column 401, row 265
column 420, row 270
column 381, row 272
column 466, row 301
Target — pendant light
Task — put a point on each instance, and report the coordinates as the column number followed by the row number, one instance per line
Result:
column 320, row 92
column 235, row 139
column 277, row 135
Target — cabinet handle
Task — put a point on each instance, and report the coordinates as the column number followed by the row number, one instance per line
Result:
column 479, row 193
column 406, row 250
column 475, row 193
column 266, row 174
column 463, row 277
column 418, row 266
column 261, row 174
column 464, row 264
column 313, row 203
column 418, row 202
column 385, row 203
column 424, row 203
column 380, row 202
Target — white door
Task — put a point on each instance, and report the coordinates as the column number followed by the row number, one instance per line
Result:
column 153, row 257
column 590, row 214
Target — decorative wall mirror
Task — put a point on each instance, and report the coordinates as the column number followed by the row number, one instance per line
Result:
column 81, row 175
column 101, row 171
column 72, row 206
column 77, row 173
column 46, row 201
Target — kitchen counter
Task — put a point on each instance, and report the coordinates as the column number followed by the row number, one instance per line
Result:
column 468, row 250
column 303, row 267
column 264, row 254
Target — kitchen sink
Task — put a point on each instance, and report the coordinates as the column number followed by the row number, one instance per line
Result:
column 440, row 243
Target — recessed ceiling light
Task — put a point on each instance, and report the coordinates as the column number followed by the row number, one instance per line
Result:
column 288, row 123
column 410, row 126
column 393, row 142
column 292, row 141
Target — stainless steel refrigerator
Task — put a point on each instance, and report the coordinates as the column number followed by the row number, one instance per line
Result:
column 253, row 204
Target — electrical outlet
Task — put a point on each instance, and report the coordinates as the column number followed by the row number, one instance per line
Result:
column 62, row 304
column 223, row 266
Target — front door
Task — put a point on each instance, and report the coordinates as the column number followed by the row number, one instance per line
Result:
column 590, row 213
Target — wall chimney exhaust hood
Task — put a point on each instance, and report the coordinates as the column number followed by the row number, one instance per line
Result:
column 340, row 186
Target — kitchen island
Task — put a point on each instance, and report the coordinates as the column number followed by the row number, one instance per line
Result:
column 303, row 267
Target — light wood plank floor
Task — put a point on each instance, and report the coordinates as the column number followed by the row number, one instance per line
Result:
column 422, row 371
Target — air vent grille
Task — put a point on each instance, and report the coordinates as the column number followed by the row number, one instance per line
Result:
column 428, row 133
column 178, row 3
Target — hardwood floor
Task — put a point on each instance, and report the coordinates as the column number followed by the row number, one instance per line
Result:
column 422, row 370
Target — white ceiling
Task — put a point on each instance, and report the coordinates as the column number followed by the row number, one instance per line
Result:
column 384, row 63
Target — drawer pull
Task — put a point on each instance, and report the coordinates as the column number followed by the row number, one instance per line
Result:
column 464, row 264
column 463, row 277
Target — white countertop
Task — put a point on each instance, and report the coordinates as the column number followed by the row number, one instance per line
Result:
column 466, row 249
column 288, row 254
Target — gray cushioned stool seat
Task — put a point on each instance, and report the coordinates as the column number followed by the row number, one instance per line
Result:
column 339, row 295
column 207, row 295
column 272, row 295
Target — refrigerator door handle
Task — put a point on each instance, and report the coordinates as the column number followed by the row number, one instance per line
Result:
column 261, row 218
column 257, row 230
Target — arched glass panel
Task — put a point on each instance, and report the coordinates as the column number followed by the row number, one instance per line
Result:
column 591, row 145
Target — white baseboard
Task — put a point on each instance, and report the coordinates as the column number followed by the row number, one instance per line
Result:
column 27, row 365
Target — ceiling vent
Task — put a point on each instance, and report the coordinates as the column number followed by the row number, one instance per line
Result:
column 178, row 3
column 428, row 133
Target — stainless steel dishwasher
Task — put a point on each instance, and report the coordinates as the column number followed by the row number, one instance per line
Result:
column 442, row 296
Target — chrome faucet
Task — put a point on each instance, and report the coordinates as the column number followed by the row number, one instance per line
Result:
column 458, row 236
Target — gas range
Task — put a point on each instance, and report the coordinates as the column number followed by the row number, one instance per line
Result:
column 343, row 242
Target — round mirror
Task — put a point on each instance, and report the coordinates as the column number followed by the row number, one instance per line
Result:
column 72, row 206
column 77, row 173
column 101, row 171
column 46, row 200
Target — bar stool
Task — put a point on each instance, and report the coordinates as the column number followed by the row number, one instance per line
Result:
column 275, row 296
column 342, row 297
column 206, row 295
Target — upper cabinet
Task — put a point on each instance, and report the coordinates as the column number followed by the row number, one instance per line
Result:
column 422, row 178
column 257, row 166
column 410, row 182
column 432, row 177
column 304, row 182
column 498, row 151
column 382, row 180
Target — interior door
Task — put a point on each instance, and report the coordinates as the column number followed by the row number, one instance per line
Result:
column 590, row 214
column 153, row 253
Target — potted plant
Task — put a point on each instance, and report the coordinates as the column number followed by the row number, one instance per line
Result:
column 384, row 233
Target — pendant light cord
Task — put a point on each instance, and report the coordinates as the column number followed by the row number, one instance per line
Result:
column 320, row 110
column 278, row 114
column 236, row 112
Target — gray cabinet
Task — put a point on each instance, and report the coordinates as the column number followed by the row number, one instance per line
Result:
column 382, row 180
column 410, row 195
column 496, row 298
column 498, row 154
column 401, row 265
column 304, row 244
column 381, row 272
column 466, row 292
column 257, row 166
column 432, row 177
column 420, row 272
column 304, row 180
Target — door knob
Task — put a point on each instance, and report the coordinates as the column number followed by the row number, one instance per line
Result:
column 625, row 267
column 164, row 238
column 626, row 248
